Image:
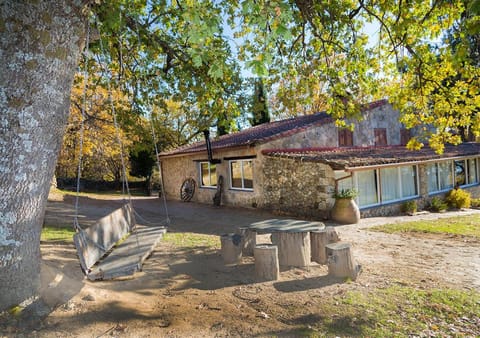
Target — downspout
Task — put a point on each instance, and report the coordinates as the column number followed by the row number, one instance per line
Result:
column 206, row 134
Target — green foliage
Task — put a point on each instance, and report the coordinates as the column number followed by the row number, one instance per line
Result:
column 317, row 54
column 409, row 207
column 475, row 202
column 313, row 55
column 346, row 193
column 437, row 204
column 458, row 198
column 462, row 226
column 259, row 105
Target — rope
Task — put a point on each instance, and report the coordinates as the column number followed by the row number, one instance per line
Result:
column 76, row 225
column 165, row 222
column 159, row 168
column 115, row 123
column 157, row 161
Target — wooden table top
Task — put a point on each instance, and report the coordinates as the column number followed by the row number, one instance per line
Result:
column 286, row 225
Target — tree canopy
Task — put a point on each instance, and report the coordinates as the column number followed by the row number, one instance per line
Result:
column 182, row 60
column 191, row 52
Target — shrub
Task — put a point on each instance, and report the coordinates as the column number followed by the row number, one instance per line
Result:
column 437, row 204
column 475, row 202
column 346, row 193
column 458, row 198
column 409, row 207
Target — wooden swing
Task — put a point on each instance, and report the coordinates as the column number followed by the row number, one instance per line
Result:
column 115, row 246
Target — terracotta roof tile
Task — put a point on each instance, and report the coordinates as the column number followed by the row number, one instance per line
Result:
column 263, row 133
column 258, row 134
column 354, row 157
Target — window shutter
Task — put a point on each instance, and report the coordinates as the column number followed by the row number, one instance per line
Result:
column 345, row 138
column 404, row 136
column 380, row 136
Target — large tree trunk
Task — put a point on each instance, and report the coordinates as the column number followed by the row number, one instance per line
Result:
column 40, row 45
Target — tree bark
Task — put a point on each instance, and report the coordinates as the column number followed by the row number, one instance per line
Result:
column 231, row 248
column 341, row 262
column 266, row 262
column 249, row 237
column 319, row 239
column 293, row 248
column 40, row 45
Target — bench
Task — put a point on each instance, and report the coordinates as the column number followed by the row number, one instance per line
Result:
column 114, row 247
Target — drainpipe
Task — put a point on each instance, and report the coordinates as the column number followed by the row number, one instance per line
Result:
column 206, row 134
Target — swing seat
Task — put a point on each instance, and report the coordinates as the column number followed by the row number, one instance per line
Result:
column 122, row 246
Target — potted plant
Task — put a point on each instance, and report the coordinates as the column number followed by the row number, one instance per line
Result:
column 345, row 210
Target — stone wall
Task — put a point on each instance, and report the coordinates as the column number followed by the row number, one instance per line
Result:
column 381, row 117
column 326, row 135
column 298, row 188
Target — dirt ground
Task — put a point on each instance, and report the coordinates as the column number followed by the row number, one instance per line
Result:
column 184, row 292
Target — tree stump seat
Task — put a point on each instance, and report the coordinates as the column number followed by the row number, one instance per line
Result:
column 231, row 248
column 319, row 239
column 266, row 262
column 249, row 240
column 341, row 262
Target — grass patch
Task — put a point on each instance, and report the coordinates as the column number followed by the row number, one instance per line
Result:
column 462, row 226
column 101, row 193
column 400, row 311
column 64, row 233
column 189, row 240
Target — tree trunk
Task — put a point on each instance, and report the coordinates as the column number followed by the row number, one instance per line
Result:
column 40, row 45
column 341, row 262
column 249, row 237
column 231, row 248
column 293, row 248
column 319, row 239
column 266, row 262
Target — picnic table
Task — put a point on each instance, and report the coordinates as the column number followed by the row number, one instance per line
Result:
column 292, row 237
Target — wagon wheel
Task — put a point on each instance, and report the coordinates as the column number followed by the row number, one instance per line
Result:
column 187, row 189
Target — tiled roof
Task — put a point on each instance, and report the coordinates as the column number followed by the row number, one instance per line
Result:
column 354, row 157
column 263, row 133
column 258, row 134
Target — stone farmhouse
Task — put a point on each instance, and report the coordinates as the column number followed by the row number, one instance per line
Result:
column 293, row 166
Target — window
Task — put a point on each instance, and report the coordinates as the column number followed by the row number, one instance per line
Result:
column 383, row 185
column 466, row 172
column 345, row 138
column 344, row 180
column 408, row 181
column 440, row 176
column 460, row 173
column 398, row 183
column 380, row 136
column 472, row 171
column 241, row 174
column 448, row 174
column 390, row 184
column 367, row 187
column 208, row 174
column 404, row 136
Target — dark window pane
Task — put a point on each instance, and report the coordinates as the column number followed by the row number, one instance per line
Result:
column 460, row 178
column 236, row 174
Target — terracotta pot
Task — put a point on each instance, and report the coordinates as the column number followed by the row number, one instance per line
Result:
column 345, row 211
